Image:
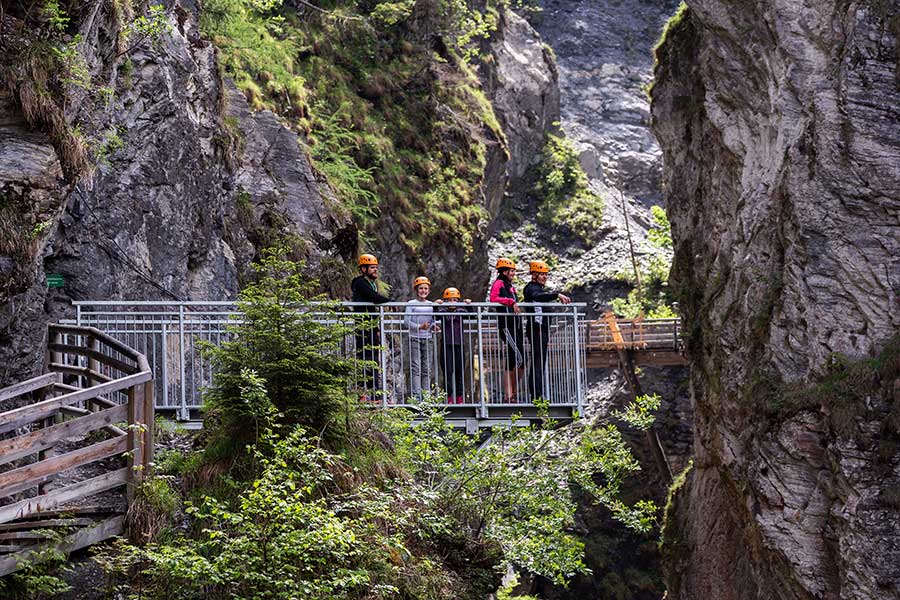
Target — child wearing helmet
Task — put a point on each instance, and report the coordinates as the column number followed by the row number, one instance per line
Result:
column 453, row 360
column 537, row 327
column 504, row 293
column 419, row 319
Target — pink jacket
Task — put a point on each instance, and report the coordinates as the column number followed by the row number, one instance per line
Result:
column 501, row 293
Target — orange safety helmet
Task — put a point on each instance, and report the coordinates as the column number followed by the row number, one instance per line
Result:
column 366, row 260
column 505, row 263
column 451, row 293
column 419, row 281
column 539, row 266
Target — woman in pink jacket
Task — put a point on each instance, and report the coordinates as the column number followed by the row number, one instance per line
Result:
column 509, row 327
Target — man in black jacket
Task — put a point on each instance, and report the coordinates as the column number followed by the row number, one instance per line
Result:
column 368, row 339
column 537, row 328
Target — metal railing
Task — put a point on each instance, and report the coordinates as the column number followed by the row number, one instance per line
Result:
column 474, row 356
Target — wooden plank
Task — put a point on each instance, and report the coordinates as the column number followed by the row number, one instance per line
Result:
column 94, row 355
column 150, row 433
column 29, row 476
column 136, row 440
column 9, row 548
column 103, row 402
column 23, row 445
column 80, row 412
column 30, row 385
column 45, row 524
column 27, row 414
column 73, row 370
column 56, row 499
column 105, row 339
column 84, row 509
column 23, row 535
column 81, row 539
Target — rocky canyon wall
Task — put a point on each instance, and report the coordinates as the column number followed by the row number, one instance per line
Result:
column 780, row 129
column 190, row 183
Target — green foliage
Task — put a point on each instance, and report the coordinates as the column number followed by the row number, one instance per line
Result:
column 256, row 53
column 639, row 414
column 566, row 200
column 38, row 576
column 516, row 490
column 657, row 299
column 375, row 521
column 332, row 145
column 152, row 513
column 151, row 26
column 281, row 363
column 54, row 15
column 390, row 13
column 505, row 593
column 672, row 23
column 660, row 234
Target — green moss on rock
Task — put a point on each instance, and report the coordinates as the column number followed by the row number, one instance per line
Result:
column 394, row 118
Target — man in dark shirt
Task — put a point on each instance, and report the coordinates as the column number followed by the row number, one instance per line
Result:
column 368, row 339
column 537, row 327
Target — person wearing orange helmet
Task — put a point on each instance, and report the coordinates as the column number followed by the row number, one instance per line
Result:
column 453, row 359
column 537, row 326
column 419, row 319
column 368, row 339
column 510, row 329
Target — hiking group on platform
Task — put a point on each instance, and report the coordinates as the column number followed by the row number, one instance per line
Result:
column 424, row 318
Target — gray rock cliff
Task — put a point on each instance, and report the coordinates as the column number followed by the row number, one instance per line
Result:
column 780, row 129
column 190, row 183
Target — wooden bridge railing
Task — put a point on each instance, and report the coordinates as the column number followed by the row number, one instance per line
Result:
column 93, row 383
column 610, row 333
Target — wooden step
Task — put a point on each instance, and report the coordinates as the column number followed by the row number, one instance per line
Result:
column 45, row 524
column 22, row 535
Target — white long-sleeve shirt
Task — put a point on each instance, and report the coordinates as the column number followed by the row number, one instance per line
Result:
column 417, row 313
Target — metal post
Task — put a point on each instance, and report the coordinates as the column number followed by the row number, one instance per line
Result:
column 182, row 411
column 482, row 408
column 675, row 335
column 78, row 315
column 165, row 366
column 579, row 387
column 384, row 398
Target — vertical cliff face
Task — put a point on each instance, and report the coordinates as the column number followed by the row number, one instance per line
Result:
column 779, row 128
column 190, row 182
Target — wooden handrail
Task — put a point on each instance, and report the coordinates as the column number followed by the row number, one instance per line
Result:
column 88, row 394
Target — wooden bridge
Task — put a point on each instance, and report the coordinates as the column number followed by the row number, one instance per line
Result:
column 649, row 342
column 75, row 437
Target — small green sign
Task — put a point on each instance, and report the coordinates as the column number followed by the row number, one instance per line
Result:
column 55, row 280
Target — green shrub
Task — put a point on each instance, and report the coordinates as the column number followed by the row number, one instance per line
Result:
column 280, row 364
column 566, row 200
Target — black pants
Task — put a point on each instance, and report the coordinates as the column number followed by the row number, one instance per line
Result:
column 368, row 348
column 538, row 337
column 454, row 369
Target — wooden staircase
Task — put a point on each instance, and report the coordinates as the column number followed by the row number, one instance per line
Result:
column 71, row 441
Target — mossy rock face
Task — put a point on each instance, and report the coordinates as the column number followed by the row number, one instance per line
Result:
column 397, row 121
